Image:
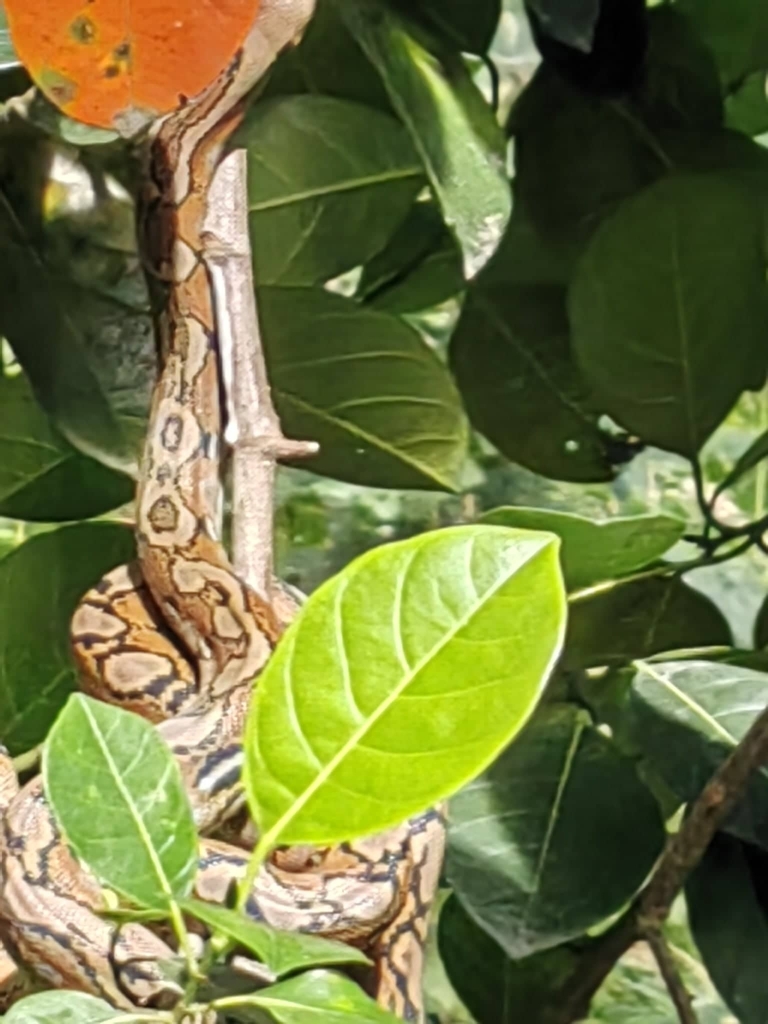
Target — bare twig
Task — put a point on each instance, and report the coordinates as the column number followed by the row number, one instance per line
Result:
column 683, row 852
column 253, row 428
column 678, row 993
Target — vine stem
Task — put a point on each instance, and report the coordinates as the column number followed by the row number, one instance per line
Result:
column 668, row 969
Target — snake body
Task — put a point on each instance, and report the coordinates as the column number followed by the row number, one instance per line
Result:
column 178, row 637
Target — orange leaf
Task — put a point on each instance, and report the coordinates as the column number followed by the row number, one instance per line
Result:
column 119, row 63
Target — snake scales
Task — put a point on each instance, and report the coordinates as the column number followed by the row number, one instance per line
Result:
column 178, row 637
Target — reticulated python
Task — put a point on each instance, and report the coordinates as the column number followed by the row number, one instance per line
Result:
column 179, row 638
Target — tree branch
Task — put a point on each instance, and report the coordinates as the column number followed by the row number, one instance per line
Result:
column 253, row 427
column 668, row 969
column 683, row 852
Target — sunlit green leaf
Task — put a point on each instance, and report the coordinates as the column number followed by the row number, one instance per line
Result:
column 118, row 794
column 282, row 952
column 452, row 128
column 596, row 550
column 318, row 997
column 432, row 654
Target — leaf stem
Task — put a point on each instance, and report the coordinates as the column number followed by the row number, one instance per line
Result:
column 668, row 969
column 256, row 861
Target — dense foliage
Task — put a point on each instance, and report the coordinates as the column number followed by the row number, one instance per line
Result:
column 503, row 295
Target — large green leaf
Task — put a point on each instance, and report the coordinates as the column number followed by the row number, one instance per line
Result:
column 363, row 384
column 41, row 583
column 636, row 618
column 494, row 988
column 591, row 550
column 687, row 717
column 728, row 908
column 328, row 182
column 42, row 477
column 315, row 997
column 61, row 1008
column 452, row 128
column 541, row 848
column 657, row 301
column 282, row 952
column 117, row 792
column 432, row 654
column 511, row 357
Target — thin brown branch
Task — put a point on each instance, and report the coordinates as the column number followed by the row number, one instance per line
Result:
column 683, row 852
column 253, row 428
column 678, row 993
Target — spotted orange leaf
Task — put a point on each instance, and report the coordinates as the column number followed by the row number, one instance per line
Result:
column 119, row 63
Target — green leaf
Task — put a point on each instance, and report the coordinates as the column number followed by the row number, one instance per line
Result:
column 494, row 988
column 469, row 28
column 61, row 1007
column 379, row 401
column 41, row 583
column 510, row 354
column 727, row 905
column 42, row 477
column 594, row 551
column 736, row 33
column 328, row 181
column 541, row 848
column 638, row 618
column 317, row 997
column 433, row 653
column 657, row 300
column 282, row 952
column 419, row 268
column 452, row 128
column 118, row 795
column 752, row 457
column 7, row 52
column 746, row 107
column 687, row 717
column 71, row 277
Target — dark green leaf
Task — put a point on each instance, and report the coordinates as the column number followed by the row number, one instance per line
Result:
column 728, row 905
column 363, row 384
column 754, row 455
column 746, row 107
column 42, row 477
column 318, row 997
column 736, row 33
column 328, row 181
column 418, row 269
column 61, row 1008
column 657, row 301
column 511, row 357
column 452, row 128
column 761, row 625
column 622, row 621
column 469, row 28
column 282, row 952
column 41, row 583
column 74, row 282
column 541, row 848
column 494, row 988
column 433, row 653
column 594, row 551
column 119, row 797
column 688, row 716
